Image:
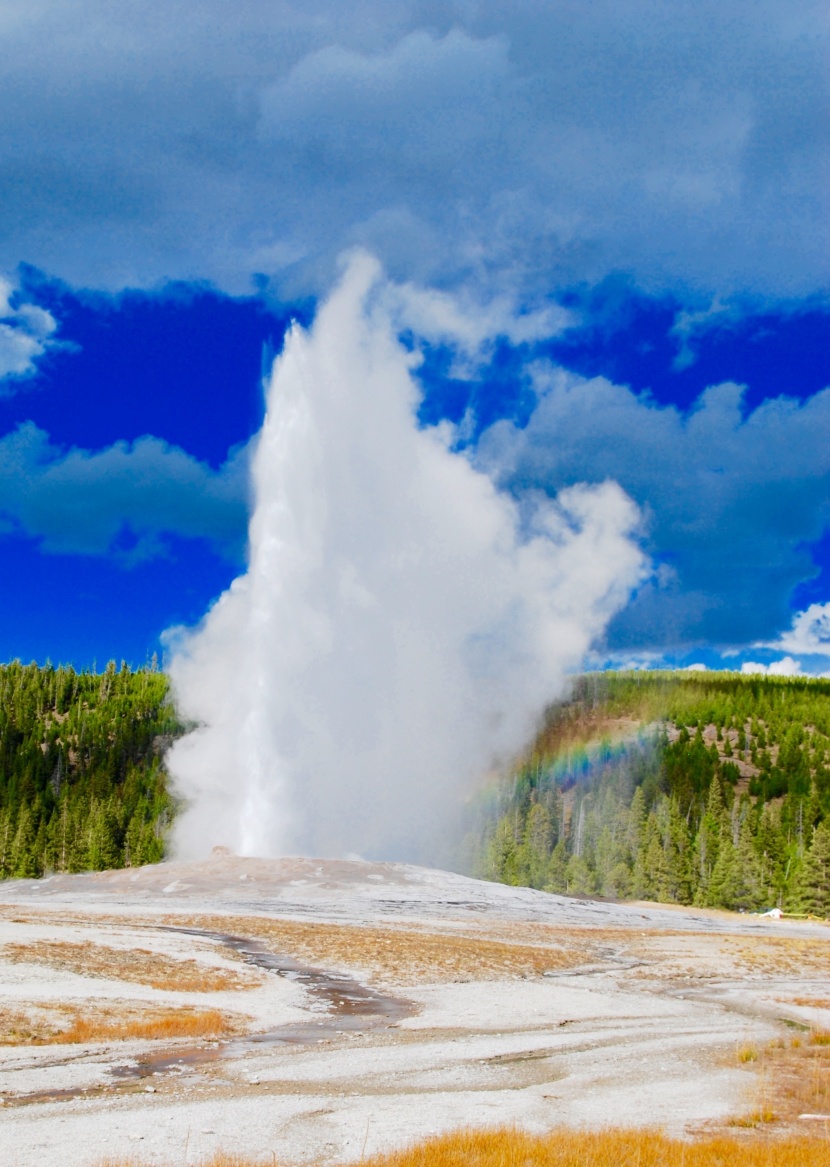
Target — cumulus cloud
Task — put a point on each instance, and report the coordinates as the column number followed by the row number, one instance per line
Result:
column 786, row 667
column 500, row 143
column 25, row 335
column 121, row 500
column 809, row 634
column 690, row 324
column 468, row 325
column 729, row 498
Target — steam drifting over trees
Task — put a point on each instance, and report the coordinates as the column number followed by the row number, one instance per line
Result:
column 710, row 789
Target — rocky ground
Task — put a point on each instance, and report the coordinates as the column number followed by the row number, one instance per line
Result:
column 316, row 1009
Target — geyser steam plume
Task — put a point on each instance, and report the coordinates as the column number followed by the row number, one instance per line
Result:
column 401, row 623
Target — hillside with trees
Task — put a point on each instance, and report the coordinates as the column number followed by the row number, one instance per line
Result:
column 692, row 788
column 82, row 785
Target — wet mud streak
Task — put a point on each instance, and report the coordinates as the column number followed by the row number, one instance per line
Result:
column 344, row 1004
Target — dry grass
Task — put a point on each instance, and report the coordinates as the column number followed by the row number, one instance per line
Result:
column 755, row 1118
column 783, row 954
column 20, row 1027
column 564, row 1148
column 612, row 1148
column 221, row 1159
column 793, row 1078
column 62, row 1025
column 397, row 955
column 136, row 965
column 164, row 1025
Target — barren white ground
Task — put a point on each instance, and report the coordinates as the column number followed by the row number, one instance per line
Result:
column 630, row 1014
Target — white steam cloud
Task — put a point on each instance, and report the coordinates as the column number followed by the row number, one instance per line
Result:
column 401, row 623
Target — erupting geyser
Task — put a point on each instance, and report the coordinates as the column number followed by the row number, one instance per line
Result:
column 401, row 623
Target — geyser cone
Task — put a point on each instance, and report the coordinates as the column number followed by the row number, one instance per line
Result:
column 398, row 627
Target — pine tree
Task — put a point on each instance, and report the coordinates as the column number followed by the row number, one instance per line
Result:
column 504, row 853
column 771, row 848
column 724, row 883
column 814, row 881
column 557, row 878
column 23, row 862
column 750, row 891
column 534, row 852
column 677, row 846
column 579, row 879
column 712, row 826
column 78, row 760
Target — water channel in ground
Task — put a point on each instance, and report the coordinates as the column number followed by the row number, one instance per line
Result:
column 344, row 1006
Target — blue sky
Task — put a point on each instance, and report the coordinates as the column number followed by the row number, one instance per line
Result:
column 648, row 178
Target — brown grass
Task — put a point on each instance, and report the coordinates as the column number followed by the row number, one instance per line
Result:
column 169, row 1024
column 61, row 1025
column 613, row 1148
column 221, row 1159
column 136, row 965
column 793, row 1079
column 783, row 954
column 564, row 1148
column 680, row 953
column 398, row 955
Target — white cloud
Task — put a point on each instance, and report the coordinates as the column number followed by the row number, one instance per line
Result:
column 467, row 324
column 730, row 498
column 510, row 146
column 786, row 667
column 25, row 335
column 809, row 634
column 121, row 500
column 689, row 325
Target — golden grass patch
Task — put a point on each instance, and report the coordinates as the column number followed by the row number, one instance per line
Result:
column 782, row 954
column 64, row 1025
column 165, row 1024
column 566, row 1148
column 793, row 1079
column 755, row 1118
column 611, row 1148
column 136, row 965
column 220, row 1159
column 398, row 955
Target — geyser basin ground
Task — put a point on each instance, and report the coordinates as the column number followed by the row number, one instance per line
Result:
column 403, row 1001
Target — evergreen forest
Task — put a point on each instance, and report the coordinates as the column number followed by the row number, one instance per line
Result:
column 693, row 788
column 698, row 788
column 82, row 786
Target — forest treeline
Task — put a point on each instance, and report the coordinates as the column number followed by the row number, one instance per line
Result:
column 693, row 788
column 82, row 786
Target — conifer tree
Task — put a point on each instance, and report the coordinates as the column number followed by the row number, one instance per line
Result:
column 534, row 853
column 79, row 759
column 814, row 882
column 557, row 879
